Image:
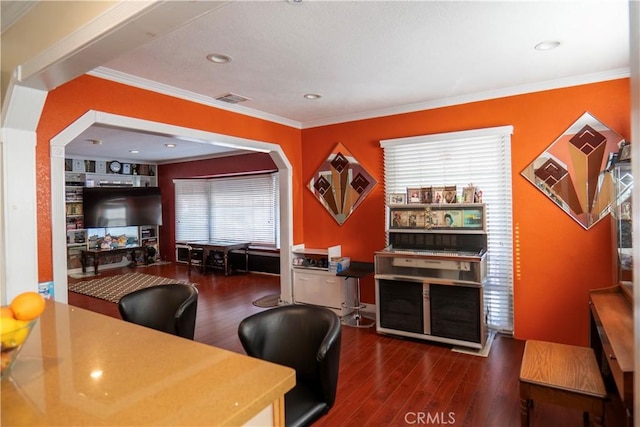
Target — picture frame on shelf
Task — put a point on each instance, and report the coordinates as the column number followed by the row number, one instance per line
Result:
column 397, row 199
column 126, row 168
column 101, row 166
column 450, row 194
column 414, row 195
column 438, row 195
column 427, row 194
column 469, row 194
column 90, row 166
column 68, row 165
column 624, row 155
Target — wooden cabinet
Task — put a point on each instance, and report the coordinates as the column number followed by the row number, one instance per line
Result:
column 323, row 288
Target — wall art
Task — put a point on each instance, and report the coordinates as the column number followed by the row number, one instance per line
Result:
column 571, row 171
column 341, row 183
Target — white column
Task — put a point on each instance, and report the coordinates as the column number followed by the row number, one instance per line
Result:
column 18, row 238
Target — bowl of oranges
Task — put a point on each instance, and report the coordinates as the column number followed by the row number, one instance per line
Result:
column 16, row 322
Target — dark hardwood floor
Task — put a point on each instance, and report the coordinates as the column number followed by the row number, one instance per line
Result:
column 383, row 380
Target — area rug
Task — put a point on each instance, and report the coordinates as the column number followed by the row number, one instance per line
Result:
column 112, row 288
column 267, row 301
column 483, row 352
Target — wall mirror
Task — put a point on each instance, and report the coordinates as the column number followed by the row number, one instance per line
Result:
column 341, row 183
column 571, row 171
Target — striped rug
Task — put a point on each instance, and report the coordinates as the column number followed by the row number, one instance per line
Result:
column 112, row 288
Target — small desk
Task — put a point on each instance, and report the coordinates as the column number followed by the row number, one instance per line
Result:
column 85, row 369
column 224, row 246
column 612, row 340
column 357, row 270
column 99, row 253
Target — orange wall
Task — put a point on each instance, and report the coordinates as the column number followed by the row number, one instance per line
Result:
column 68, row 102
column 558, row 262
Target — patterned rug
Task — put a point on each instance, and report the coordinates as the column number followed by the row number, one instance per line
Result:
column 112, row 288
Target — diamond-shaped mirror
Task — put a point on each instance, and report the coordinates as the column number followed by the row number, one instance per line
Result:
column 341, row 183
column 571, row 171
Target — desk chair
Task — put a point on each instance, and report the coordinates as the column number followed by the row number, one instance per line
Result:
column 303, row 337
column 167, row 308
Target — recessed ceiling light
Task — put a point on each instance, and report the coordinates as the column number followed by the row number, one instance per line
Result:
column 547, row 45
column 95, row 141
column 170, row 145
column 312, row 96
column 218, row 58
column 134, row 151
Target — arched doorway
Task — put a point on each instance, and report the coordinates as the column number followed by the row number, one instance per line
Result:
column 92, row 118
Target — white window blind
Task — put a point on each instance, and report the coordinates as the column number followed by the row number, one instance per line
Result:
column 482, row 158
column 232, row 208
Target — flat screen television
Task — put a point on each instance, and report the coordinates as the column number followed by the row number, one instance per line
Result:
column 121, row 206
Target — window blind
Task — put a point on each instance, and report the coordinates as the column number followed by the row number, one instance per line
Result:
column 482, row 158
column 231, row 208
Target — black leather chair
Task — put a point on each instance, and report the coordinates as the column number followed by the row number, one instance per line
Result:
column 306, row 338
column 167, row 308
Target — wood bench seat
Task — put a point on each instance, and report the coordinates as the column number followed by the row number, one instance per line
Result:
column 563, row 375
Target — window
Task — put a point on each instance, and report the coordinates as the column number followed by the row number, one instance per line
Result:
column 232, row 208
column 481, row 157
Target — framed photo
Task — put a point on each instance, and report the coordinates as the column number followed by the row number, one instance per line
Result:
column 78, row 165
column 90, row 166
column 397, row 199
column 450, row 194
column 427, row 195
column 438, row 195
column 414, row 195
column 469, row 194
column 624, row 155
column 126, row 168
column 68, row 165
column 101, row 166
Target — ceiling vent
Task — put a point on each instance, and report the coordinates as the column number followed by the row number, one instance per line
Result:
column 232, row 98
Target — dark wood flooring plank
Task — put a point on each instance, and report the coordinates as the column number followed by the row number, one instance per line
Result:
column 383, row 380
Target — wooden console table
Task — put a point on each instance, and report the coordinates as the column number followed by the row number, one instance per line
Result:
column 224, row 246
column 612, row 339
column 96, row 254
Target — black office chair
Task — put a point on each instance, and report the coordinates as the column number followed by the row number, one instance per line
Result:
column 306, row 338
column 167, row 308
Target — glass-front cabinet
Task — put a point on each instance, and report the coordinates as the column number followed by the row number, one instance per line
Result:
column 621, row 216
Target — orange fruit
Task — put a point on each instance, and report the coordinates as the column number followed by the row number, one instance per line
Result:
column 27, row 306
column 5, row 311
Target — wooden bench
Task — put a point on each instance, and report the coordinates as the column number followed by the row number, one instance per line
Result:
column 563, row 375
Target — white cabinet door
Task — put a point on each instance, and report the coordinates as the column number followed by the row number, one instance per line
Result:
column 322, row 288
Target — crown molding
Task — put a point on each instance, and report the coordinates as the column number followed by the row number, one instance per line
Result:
column 480, row 96
column 135, row 81
column 128, row 79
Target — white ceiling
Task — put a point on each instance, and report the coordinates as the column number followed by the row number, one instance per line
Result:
column 373, row 58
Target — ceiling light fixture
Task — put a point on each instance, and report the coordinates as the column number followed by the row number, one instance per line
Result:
column 170, row 145
column 95, row 141
column 134, row 151
column 547, row 45
column 218, row 58
column 312, row 96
